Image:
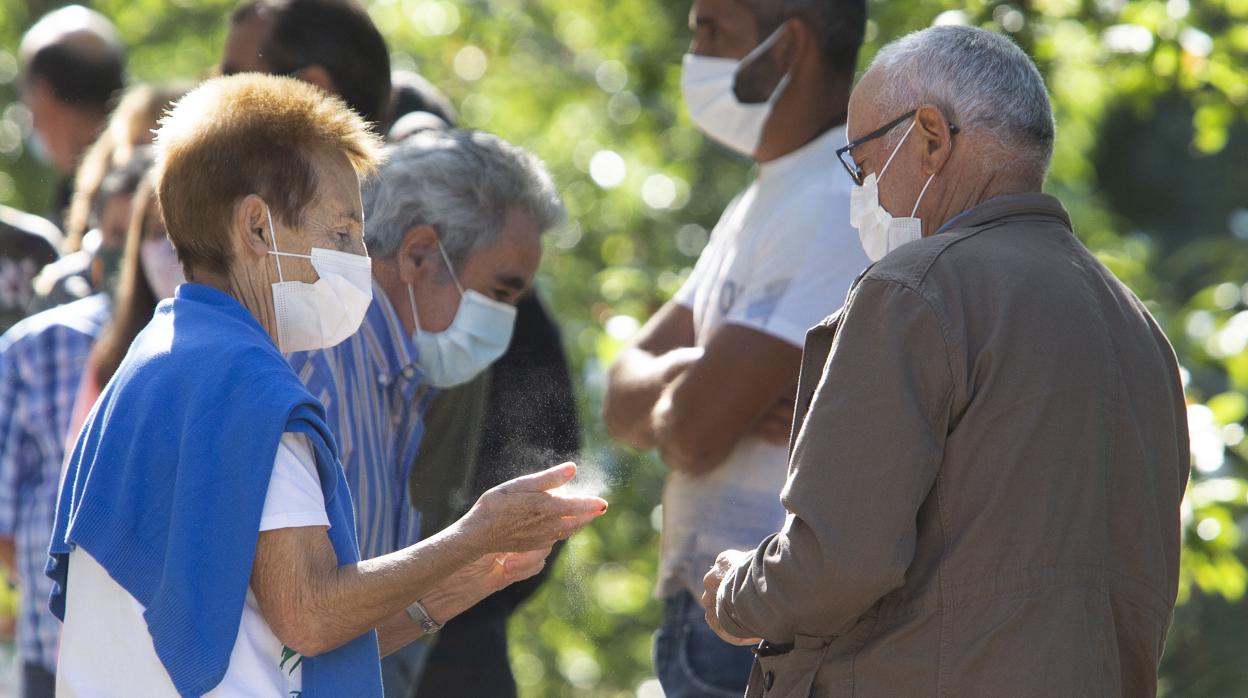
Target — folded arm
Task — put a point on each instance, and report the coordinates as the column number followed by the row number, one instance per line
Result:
column 696, row 404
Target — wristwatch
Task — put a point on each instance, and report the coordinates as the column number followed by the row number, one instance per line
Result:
column 418, row 613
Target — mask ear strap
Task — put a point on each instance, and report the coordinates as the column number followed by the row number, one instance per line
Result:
column 450, row 268
column 895, row 151
column 762, row 48
column 921, row 193
column 411, row 298
column 273, row 240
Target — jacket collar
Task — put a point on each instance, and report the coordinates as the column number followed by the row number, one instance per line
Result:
column 1026, row 205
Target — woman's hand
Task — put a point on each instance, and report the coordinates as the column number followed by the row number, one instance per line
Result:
column 522, row 514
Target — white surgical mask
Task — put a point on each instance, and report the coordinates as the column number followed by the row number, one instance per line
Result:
column 707, row 85
column 478, row 335
column 322, row 314
column 160, row 266
column 880, row 232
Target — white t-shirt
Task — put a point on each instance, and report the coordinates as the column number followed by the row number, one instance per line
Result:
column 780, row 260
column 106, row 649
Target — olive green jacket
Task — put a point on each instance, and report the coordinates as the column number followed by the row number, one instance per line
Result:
column 985, row 479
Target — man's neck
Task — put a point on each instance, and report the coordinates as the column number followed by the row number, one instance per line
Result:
column 801, row 116
column 968, row 197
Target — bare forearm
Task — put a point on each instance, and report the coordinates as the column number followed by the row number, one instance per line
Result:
column 347, row 601
column 396, row 632
column 636, row 384
column 444, row 602
column 315, row 605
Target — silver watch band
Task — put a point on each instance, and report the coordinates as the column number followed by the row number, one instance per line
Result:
column 417, row 612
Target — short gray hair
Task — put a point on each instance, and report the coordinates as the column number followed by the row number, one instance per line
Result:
column 983, row 81
column 461, row 183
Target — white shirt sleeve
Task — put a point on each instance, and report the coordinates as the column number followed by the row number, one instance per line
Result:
column 687, row 294
column 799, row 278
column 294, row 498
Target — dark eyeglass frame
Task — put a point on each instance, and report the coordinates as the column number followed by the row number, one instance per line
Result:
column 847, row 158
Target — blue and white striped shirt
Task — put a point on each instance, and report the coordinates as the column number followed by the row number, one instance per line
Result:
column 42, row 359
column 375, row 399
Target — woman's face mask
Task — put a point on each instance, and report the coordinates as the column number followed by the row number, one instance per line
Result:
column 477, row 337
column 325, row 313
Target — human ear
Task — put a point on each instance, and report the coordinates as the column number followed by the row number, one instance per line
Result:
column 317, row 75
column 935, row 132
column 250, row 226
column 416, row 254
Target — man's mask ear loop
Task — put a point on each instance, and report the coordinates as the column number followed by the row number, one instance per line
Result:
column 450, row 269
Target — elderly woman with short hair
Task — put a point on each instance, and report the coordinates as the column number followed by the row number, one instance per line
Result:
column 205, row 541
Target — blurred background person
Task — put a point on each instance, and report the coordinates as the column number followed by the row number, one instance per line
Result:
column 149, row 274
column 93, row 233
column 416, row 105
column 73, row 65
column 42, row 364
column 710, row 379
column 28, row 243
column 332, row 44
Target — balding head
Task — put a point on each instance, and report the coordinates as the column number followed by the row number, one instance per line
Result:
column 982, row 81
column 77, row 53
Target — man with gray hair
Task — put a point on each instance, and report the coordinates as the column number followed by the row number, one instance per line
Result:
column 984, row 485
column 453, row 222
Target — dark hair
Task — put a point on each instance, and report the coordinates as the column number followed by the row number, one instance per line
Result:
column 412, row 92
column 84, row 79
column 123, row 179
column 136, row 301
column 337, row 35
column 838, row 26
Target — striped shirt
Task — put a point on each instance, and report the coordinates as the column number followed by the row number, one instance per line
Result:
column 375, row 398
column 41, row 365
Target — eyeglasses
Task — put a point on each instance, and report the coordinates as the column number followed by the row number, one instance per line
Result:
column 846, row 157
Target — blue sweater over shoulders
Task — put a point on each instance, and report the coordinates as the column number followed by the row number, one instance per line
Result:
column 166, row 485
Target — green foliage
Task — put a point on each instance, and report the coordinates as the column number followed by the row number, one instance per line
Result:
column 1150, row 98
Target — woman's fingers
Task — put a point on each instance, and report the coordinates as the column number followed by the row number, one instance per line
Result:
column 542, row 481
column 579, row 506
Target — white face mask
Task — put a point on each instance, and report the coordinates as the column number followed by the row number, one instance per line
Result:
column 478, row 335
column 322, row 314
column 879, row 232
column 707, row 85
column 160, row 267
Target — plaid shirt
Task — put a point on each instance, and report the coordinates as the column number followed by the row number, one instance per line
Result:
column 41, row 364
column 375, row 400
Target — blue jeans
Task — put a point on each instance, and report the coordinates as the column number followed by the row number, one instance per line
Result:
column 690, row 659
